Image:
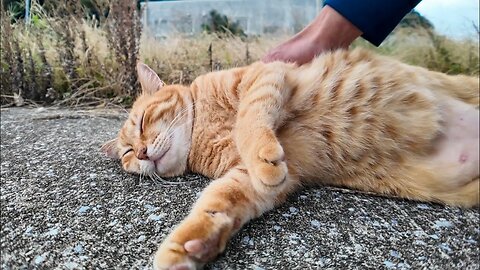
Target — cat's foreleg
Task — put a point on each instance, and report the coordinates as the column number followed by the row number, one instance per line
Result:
column 222, row 209
column 261, row 112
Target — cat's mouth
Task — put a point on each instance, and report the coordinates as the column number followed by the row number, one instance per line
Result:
column 159, row 159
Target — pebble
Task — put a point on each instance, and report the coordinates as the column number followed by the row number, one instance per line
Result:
column 442, row 224
column 315, row 223
column 83, row 209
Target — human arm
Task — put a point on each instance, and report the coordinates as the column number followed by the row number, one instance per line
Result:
column 376, row 19
column 338, row 24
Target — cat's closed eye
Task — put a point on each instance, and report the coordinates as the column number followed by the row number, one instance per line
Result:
column 126, row 152
column 141, row 122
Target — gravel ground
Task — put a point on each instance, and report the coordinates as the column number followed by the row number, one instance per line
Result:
column 65, row 206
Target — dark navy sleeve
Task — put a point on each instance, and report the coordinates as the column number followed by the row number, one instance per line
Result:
column 375, row 18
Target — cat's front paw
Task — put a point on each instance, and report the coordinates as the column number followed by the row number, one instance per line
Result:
column 267, row 164
column 271, row 168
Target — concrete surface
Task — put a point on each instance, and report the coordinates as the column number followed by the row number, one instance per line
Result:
column 65, row 206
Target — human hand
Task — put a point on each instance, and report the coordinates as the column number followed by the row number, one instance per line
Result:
column 300, row 50
column 328, row 31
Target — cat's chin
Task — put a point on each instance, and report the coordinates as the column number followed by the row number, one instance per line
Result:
column 168, row 165
column 169, row 172
column 161, row 165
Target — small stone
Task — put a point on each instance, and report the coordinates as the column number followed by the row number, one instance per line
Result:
column 423, row 206
column 154, row 217
column 71, row 265
column 39, row 259
column 78, row 248
column 442, row 224
column 52, row 232
column 28, row 230
column 395, row 254
column 83, row 209
column 389, row 264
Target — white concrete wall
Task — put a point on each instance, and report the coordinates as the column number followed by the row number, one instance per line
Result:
column 167, row 18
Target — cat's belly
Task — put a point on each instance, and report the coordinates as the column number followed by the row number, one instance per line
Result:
column 456, row 151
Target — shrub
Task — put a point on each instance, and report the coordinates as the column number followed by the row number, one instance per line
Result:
column 219, row 23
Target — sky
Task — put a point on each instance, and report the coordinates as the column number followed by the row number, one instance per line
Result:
column 451, row 17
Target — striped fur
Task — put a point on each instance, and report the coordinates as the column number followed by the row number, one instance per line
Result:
column 349, row 118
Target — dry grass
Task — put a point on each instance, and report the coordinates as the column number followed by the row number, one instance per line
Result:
column 74, row 62
column 180, row 60
column 426, row 48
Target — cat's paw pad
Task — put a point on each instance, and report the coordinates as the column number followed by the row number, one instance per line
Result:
column 192, row 255
column 271, row 168
column 195, row 242
column 202, row 250
column 173, row 256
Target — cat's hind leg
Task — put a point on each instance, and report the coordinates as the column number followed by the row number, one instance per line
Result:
column 461, row 87
column 419, row 182
column 466, row 195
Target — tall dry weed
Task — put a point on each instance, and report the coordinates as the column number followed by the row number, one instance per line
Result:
column 124, row 30
column 72, row 60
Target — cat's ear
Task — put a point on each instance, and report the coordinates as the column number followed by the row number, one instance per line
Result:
column 149, row 80
column 110, row 149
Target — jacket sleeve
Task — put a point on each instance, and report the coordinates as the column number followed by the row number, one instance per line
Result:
column 375, row 18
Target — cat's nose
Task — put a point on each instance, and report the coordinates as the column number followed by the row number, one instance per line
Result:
column 142, row 153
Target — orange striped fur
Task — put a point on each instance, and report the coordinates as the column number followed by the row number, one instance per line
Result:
column 349, row 118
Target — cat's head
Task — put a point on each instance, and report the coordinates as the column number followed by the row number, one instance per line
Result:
column 156, row 137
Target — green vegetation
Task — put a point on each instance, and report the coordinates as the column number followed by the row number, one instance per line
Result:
column 85, row 55
column 219, row 23
column 415, row 20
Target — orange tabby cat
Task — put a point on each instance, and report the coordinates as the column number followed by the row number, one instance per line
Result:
column 349, row 118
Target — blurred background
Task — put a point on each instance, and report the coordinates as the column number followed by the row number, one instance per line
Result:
column 83, row 53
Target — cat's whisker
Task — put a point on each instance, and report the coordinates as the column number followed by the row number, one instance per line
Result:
column 171, row 132
column 144, row 176
column 170, row 183
column 159, row 180
column 161, row 144
column 179, row 116
column 154, row 177
column 162, row 138
column 138, row 180
column 182, row 113
column 168, row 135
